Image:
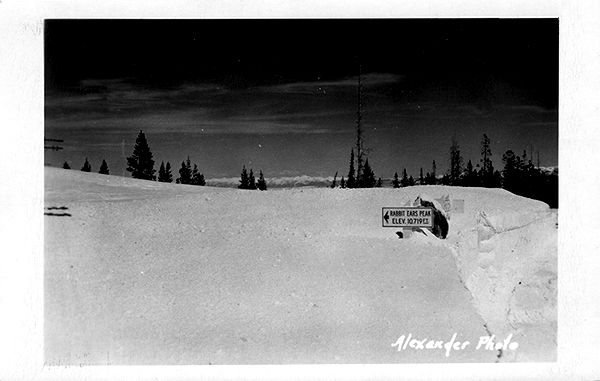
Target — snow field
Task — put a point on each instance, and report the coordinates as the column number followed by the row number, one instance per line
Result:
column 169, row 274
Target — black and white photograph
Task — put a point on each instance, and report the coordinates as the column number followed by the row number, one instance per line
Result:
column 300, row 191
column 255, row 190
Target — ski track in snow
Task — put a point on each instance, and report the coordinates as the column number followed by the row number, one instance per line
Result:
column 151, row 273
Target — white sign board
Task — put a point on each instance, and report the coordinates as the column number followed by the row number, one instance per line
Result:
column 451, row 205
column 407, row 217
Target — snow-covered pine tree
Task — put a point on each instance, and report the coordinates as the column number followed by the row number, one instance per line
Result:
column 333, row 183
column 86, row 166
column 66, row 165
column 104, row 168
column 343, row 183
column 140, row 163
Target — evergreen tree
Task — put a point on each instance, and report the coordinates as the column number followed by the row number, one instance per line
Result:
column 104, row 168
column 379, row 183
column 528, row 176
column 251, row 180
column 446, row 179
column 140, row 163
column 364, row 176
column 66, row 165
column 368, row 177
column 161, row 172
column 262, row 184
column 195, row 175
column 86, row 166
column 486, row 173
column 333, row 184
column 411, row 181
column 497, row 180
column 351, row 182
column 358, row 181
column 396, row 181
column 185, row 172
column 470, row 175
column 245, row 180
column 404, row 181
column 431, row 177
column 164, row 173
column 197, row 178
column 421, row 178
column 455, row 162
column 343, row 183
column 168, row 174
column 512, row 172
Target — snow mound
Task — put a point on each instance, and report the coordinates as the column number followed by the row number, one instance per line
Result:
column 72, row 185
column 142, row 272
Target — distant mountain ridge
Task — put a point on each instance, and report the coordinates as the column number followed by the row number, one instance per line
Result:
column 278, row 182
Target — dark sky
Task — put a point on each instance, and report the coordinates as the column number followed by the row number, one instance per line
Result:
column 281, row 94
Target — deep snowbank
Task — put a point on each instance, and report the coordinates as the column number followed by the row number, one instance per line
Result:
column 509, row 263
column 506, row 249
column 150, row 273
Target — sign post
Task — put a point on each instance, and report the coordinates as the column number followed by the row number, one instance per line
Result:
column 407, row 218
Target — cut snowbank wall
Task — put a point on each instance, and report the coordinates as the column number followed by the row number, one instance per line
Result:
column 508, row 261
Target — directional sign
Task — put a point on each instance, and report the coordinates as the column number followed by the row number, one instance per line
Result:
column 407, row 217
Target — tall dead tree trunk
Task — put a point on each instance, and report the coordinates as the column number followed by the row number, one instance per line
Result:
column 359, row 138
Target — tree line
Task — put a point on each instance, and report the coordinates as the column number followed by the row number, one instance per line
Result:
column 141, row 165
column 519, row 174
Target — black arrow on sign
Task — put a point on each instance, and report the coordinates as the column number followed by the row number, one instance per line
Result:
column 386, row 217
